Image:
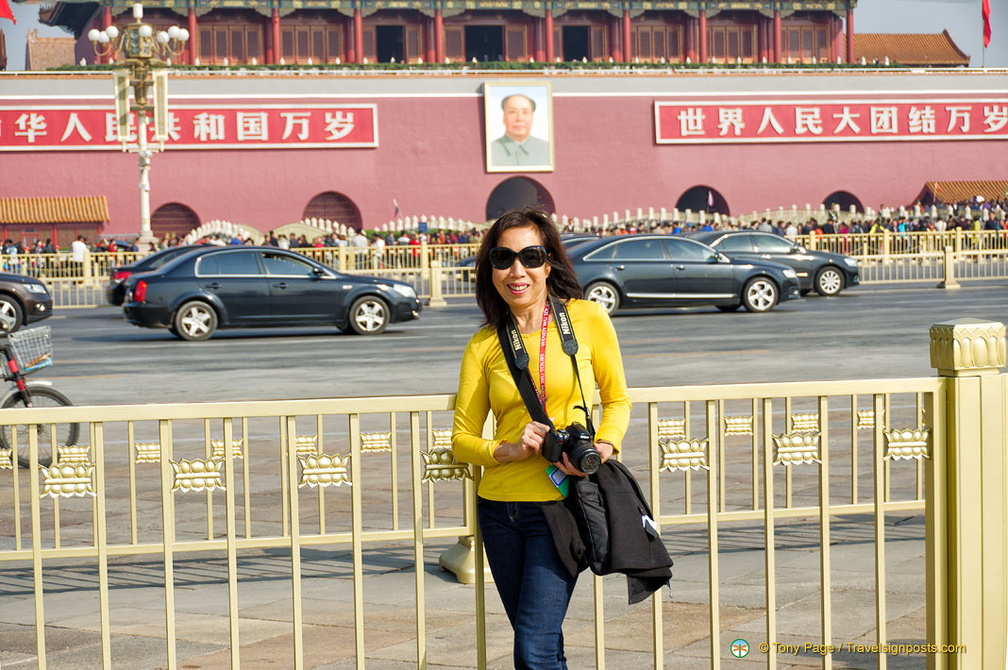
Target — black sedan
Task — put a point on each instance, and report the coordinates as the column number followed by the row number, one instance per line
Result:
column 666, row 271
column 826, row 272
column 115, row 291
column 252, row 287
column 23, row 300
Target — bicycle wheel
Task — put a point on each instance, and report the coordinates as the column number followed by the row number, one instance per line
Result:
column 64, row 433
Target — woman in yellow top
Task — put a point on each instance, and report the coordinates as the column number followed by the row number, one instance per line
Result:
column 522, row 262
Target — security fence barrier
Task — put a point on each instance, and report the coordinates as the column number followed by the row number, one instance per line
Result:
column 446, row 270
column 335, row 497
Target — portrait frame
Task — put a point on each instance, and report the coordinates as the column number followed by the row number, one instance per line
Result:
column 500, row 153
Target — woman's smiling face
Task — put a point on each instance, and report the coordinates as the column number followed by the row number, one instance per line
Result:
column 522, row 288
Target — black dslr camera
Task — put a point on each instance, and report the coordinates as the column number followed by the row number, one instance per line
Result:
column 576, row 442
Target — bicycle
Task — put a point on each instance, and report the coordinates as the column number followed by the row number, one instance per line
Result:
column 25, row 352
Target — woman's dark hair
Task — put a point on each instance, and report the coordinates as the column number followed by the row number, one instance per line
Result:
column 561, row 283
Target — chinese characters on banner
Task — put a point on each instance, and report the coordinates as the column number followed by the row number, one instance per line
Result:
column 737, row 121
column 190, row 127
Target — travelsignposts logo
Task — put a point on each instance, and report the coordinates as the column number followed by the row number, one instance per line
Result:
column 739, row 648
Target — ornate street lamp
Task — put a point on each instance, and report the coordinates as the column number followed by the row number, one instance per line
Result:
column 145, row 72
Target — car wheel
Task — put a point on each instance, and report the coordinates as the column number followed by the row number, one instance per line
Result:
column 604, row 294
column 829, row 281
column 11, row 314
column 194, row 321
column 729, row 308
column 64, row 434
column 759, row 295
column 369, row 315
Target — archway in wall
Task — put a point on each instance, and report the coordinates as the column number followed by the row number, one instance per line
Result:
column 844, row 200
column 518, row 192
column 334, row 207
column 173, row 219
column 703, row 198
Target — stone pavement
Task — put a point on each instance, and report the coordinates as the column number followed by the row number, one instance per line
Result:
column 73, row 640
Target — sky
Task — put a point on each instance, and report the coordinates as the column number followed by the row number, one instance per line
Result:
column 960, row 17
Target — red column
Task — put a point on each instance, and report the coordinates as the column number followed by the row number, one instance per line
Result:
column 539, row 48
column 193, row 29
column 106, row 21
column 275, row 32
column 627, row 44
column 439, row 53
column 348, row 40
column 777, row 51
column 615, row 52
column 850, row 35
column 691, row 51
column 702, row 30
column 548, row 37
column 428, row 39
column 358, row 35
column 763, row 52
column 269, row 55
column 835, row 39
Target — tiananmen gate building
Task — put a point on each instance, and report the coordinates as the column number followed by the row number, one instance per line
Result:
column 265, row 147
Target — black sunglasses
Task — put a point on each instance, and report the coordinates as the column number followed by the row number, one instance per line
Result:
column 531, row 257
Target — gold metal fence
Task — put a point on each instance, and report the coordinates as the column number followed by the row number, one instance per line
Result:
column 348, row 502
column 439, row 271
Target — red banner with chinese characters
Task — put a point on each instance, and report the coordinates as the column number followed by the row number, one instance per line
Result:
column 63, row 127
column 743, row 121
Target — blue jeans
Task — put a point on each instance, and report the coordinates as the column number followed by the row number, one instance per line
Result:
column 533, row 584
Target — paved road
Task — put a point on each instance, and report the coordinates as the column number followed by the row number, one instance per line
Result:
column 864, row 333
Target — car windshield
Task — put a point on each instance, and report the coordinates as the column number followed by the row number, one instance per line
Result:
column 228, row 263
column 685, row 250
column 647, row 249
column 734, row 243
column 771, row 244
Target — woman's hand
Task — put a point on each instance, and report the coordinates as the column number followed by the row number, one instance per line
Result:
column 530, row 444
column 605, row 451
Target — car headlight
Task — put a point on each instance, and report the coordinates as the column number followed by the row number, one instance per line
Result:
column 405, row 290
column 36, row 288
column 852, row 262
column 790, row 273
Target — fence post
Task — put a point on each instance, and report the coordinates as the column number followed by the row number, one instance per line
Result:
column 948, row 262
column 969, row 353
column 436, row 276
column 87, row 271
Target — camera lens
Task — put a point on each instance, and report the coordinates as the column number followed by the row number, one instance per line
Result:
column 590, row 461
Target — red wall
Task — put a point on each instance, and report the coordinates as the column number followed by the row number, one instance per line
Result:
column 431, row 160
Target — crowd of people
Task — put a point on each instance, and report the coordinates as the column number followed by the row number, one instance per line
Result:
column 975, row 214
column 792, row 229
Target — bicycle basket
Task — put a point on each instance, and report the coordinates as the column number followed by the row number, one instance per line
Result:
column 32, row 348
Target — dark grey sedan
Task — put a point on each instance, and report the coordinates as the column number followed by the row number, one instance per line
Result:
column 825, row 272
column 254, row 287
column 115, row 291
column 23, row 300
column 667, row 271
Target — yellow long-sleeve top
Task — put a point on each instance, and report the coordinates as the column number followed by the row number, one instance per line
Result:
column 486, row 384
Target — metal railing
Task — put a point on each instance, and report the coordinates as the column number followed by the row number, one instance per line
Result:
column 437, row 270
column 364, row 481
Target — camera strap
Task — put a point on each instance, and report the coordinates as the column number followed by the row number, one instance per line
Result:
column 518, row 362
